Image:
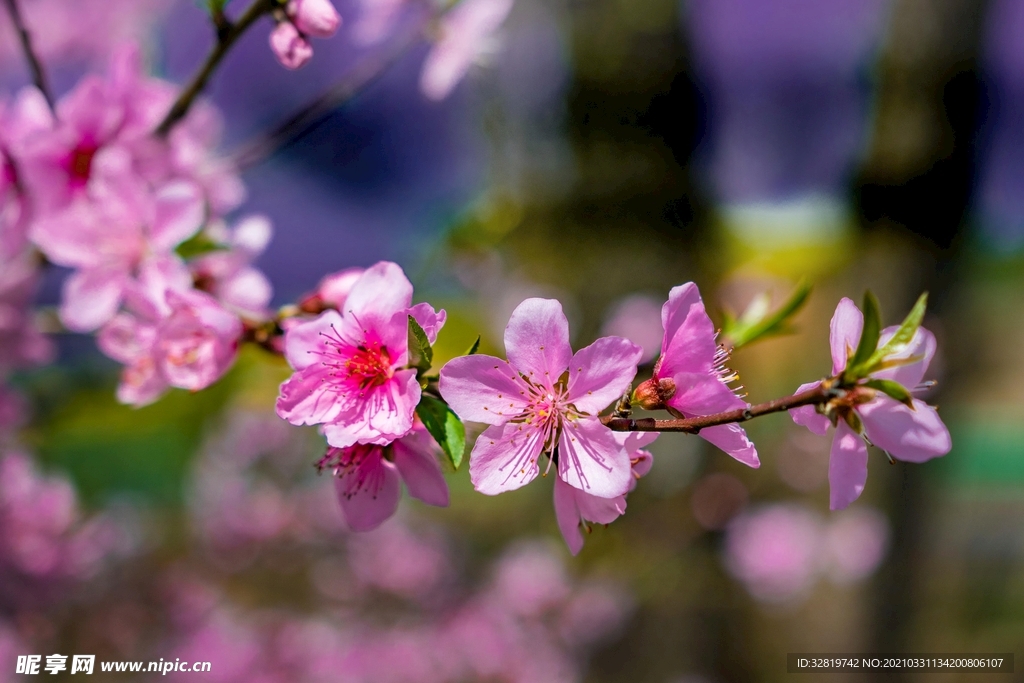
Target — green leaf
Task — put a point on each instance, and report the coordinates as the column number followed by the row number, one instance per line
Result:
column 197, row 245
column 904, row 334
column 892, row 389
column 420, row 353
column 868, row 338
column 474, row 348
column 445, row 426
column 757, row 323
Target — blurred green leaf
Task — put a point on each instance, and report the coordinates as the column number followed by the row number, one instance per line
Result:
column 855, row 367
column 892, row 389
column 445, row 426
column 757, row 322
column 420, row 353
column 197, row 245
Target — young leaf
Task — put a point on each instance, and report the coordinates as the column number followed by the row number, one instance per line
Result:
column 420, row 353
column 474, row 348
column 892, row 389
column 868, row 338
column 445, row 426
column 757, row 323
column 197, row 245
column 904, row 335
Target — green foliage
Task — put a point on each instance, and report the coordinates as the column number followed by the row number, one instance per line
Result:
column 474, row 348
column 420, row 353
column 757, row 322
column 445, row 426
column 869, row 358
column 197, row 245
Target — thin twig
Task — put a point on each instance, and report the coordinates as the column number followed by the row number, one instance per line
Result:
column 226, row 37
column 313, row 113
column 34, row 65
column 693, row 425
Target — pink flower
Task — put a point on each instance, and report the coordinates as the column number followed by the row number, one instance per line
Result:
column 316, row 18
column 376, row 20
column 350, row 373
column 368, row 476
column 912, row 434
column 110, row 233
column 21, row 342
column 574, row 508
column 182, row 338
column 334, row 289
column 290, row 47
column 228, row 274
column 544, row 400
column 690, row 378
column 465, row 32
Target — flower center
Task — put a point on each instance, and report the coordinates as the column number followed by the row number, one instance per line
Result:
column 369, row 366
column 80, row 163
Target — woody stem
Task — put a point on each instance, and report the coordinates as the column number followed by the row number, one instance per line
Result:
column 34, row 65
column 693, row 425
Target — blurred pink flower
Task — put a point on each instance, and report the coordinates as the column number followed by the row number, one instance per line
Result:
column 690, row 377
column 316, row 18
column 855, row 544
column 574, row 508
column 638, row 319
column 544, row 398
column 913, row 434
column 368, row 476
column 406, row 562
column 291, row 48
column 775, row 551
column 375, row 21
column 21, row 342
column 466, row 31
column 228, row 274
column 350, row 373
column 334, row 288
column 530, row 579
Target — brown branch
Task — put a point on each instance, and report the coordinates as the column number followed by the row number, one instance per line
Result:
column 313, row 113
column 227, row 34
column 34, row 65
column 693, row 425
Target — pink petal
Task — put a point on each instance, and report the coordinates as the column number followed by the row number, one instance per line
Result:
column 807, row 416
column 316, row 18
column 335, row 288
column 180, row 212
column 381, row 291
column 416, row 459
column 689, row 345
column 847, row 324
column 676, row 310
column 125, row 338
column 483, row 389
column 568, row 516
column 248, row 291
column 537, row 341
column 732, row 439
column 368, row 493
column 430, row 320
column 91, row 298
column 290, row 48
column 703, row 393
column 600, row 510
column 505, row 458
column 307, row 398
column 914, row 435
column 252, row 235
column 923, row 344
column 600, row 373
column 847, row 467
column 303, row 343
column 141, row 384
column 379, row 415
column 591, row 459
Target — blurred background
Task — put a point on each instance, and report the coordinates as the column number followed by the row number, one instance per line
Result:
column 603, row 152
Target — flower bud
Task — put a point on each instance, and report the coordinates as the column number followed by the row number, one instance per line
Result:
column 289, row 46
column 652, row 394
column 316, row 18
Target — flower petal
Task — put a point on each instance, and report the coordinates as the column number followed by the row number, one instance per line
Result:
column 592, row 459
column 732, row 439
column 368, row 493
column 537, row 341
column 303, row 342
column 807, row 416
column 180, row 212
column 600, row 373
column 416, row 459
column 689, row 345
column 923, row 344
column 430, row 320
column 483, row 389
column 845, row 329
column 505, row 458
column 378, row 415
column 847, row 467
column 380, row 292
column 914, row 435
column 600, row 510
column 568, row 516
column 91, row 298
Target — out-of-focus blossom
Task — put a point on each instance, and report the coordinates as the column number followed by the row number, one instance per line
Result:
column 914, row 434
column 717, row 498
column 21, row 342
column 350, row 373
column 775, row 551
column 228, row 274
column 316, row 18
column 855, row 544
column 334, row 289
column 368, row 477
column 20, row 119
column 529, row 579
column 399, row 560
column 638, row 319
column 690, row 376
column 375, row 21
column 544, row 397
column 290, row 47
column 574, row 508
column 467, row 32
column 181, row 338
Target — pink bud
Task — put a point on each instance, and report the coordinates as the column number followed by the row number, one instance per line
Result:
column 316, row 18
column 290, row 47
column 653, row 393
